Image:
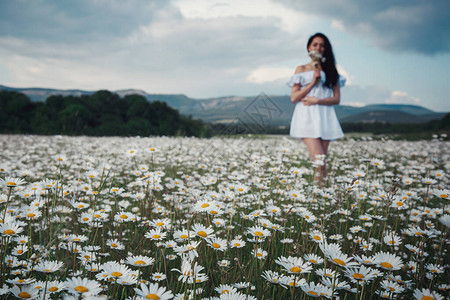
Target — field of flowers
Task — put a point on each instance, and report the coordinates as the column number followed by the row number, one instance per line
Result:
column 222, row 218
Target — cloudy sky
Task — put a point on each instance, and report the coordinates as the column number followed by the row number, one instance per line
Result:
column 391, row 51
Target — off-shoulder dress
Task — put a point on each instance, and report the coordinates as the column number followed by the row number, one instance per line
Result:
column 315, row 121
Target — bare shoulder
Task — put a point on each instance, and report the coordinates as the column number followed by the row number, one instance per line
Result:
column 301, row 69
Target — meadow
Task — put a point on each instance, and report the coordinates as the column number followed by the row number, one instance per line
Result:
column 222, row 218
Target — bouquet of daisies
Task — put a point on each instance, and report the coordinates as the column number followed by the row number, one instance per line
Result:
column 317, row 60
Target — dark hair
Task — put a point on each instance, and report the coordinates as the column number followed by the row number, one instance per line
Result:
column 329, row 65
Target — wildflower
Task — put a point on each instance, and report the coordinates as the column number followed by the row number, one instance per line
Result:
column 115, row 244
column 115, row 270
column 314, row 259
column 10, row 229
column 435, row 269
column 25, row 292
column 361, row 274
column 201, row 231
column 21, row 239
column 48, row 266
column 336, row 237
column 287, row 241
column 19, row 250
column 428, row 180
column 169, row 244
column 391, row 287
column 399, row 204
column 124, row 217
column 191, row 273
column 355, row 229
column 342, row 260
column 76, row 238
column 181, row 235
column 443, row 194
column 364, row 259
column 314, row 290
column 155, row 234
column 158, row 276
column 327, row 273
column 225, row 289
column 223, row 263
column 426, row 294
column 189, row 249
column 237, row 243
column 139, row 261
column 392, row 239
column 12, row 182
column 83, row 287
column 292, row 281
column 415, row 231
column 317, row 236
column 272, row 277
column 294, row 265
column 20, row 281
column 217, row 243
column 377, row 163
column 259, row 253
column 160, row 223
column 204, row 205
column 258, row 232
column 387, row 261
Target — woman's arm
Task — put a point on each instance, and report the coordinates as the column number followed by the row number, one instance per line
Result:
column 335, row 100
column 297, row 92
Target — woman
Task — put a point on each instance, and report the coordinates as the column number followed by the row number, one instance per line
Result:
column 315, row 90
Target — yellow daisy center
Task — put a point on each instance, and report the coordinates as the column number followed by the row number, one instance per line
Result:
column 81, row 289
column 259, row 233
column 24, row 295
column 202, row 233
column 53, row 289
column 386, row 265
column 216, row 245
column 140, row 262
column 339, row 261
column 295, row 270
column 9, row 231
column 116, row 274
column 358, row 276
column 313, row 293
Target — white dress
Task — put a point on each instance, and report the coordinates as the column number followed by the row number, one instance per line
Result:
column 315, row 121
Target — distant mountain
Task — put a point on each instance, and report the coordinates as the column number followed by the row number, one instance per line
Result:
column 277, row 109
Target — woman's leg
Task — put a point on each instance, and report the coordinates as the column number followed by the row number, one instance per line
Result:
column 317, row 146
column 325, row 144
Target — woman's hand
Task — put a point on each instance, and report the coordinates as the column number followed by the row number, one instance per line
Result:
column 309, row 100
column 316, row 75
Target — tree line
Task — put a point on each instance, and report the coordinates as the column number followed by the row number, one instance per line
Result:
column 101, row 114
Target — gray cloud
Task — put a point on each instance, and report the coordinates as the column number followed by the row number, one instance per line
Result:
column 74, row 21
column 398, row 26
column 154, row 48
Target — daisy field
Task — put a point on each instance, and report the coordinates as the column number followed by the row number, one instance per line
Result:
column 222, row 218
